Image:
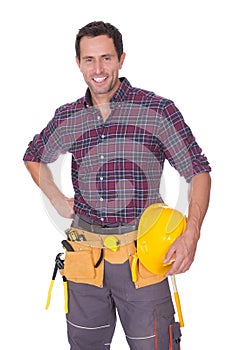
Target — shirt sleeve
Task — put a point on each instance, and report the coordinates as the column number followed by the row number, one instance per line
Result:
column 179, row 144
column 46, row 146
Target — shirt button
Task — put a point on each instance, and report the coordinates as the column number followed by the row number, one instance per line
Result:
column 102, row 157
column 101, row 178
column 102, row 219
column 98, row 117
column 103, row 136
column 101, row 199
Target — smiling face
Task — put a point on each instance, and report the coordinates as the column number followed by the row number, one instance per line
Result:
column 100, row 66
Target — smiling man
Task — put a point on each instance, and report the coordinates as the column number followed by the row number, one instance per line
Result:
column 100, row 63
column 119, row 137
column 100, row 66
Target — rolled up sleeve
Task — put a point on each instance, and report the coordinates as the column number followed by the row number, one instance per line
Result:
column 179, row 144
column 46, row 146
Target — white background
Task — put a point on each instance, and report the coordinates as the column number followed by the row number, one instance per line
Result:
column 180, row 49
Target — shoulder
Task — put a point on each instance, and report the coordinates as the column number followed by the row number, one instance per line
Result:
column 68, row 109
column 149, row 98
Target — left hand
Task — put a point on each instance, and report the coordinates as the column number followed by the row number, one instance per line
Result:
column 183, row 250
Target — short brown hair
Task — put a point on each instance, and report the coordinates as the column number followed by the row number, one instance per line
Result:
column 100, row 28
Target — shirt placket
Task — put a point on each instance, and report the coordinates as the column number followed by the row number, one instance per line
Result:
column 102, row 159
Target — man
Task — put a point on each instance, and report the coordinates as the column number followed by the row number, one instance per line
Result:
column 119, row 137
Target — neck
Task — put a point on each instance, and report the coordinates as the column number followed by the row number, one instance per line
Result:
column 104, row 109
column 102, row 101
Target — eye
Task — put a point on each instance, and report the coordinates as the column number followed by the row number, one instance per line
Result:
column 106, row 58
column 88, row 59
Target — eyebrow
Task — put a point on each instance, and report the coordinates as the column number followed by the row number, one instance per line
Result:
column 104, row 55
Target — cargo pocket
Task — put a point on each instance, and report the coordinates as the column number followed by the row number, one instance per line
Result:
column 175, row 336
column 79, row 264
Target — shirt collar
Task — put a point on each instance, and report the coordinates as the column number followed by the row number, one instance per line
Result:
column 119, row 96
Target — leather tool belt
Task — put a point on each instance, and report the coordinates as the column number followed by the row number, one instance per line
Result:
column 98, row 240
column 84, row 260
column 86, row 253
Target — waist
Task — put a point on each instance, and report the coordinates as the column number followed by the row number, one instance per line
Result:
column 99, row 240
column 117, row 229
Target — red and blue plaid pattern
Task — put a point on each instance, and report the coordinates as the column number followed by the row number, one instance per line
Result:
column 117, row 165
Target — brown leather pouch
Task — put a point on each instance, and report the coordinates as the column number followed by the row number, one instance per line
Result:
column 143, row 276
column 80, row 265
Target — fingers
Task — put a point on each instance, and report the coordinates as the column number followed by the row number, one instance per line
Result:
column 179, row 266
column 64, row 207
column 170, row 256
column 184, row 256
column 71, row 213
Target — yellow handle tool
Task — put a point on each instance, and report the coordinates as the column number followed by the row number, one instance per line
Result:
column 59, row 264
column 133, row 267
column 177, row 301
column 65, row 288
column 49, row 294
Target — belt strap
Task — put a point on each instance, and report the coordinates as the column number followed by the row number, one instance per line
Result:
column 97, row 240
column 94, row 228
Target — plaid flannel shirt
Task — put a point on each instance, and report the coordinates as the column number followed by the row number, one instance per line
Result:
column 117, row 164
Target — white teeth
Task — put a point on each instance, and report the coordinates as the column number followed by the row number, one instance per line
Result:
column 99, row 80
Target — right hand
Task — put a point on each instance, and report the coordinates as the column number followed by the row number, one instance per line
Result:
column 64, row 206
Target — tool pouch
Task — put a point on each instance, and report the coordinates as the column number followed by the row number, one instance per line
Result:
column 84, row 265
column 140, row 275
column 175, row 336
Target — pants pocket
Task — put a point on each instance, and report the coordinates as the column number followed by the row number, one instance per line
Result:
column 175, row 336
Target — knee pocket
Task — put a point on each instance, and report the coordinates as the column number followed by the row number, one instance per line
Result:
column 90, row 338
column 174, row 336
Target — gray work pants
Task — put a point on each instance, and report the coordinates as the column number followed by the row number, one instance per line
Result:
column 146, row 314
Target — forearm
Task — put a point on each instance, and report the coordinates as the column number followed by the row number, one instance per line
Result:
column 198, row 202
column 43, row 177
column 185, row 246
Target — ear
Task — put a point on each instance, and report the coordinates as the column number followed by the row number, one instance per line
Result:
column 121, row 61
column 77, row 61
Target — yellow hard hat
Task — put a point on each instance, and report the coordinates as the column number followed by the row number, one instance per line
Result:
column 158, row 228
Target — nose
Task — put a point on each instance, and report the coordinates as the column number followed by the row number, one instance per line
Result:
column 98, row 67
